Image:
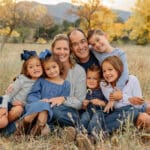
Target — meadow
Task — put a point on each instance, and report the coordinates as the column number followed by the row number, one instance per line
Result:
column 139, row 65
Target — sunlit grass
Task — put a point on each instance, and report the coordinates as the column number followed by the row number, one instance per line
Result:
column 139, row 65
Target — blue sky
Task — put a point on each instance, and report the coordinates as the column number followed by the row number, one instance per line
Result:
column 117, row 4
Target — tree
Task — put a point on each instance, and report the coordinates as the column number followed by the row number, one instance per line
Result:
column 14, row 15
column 138, row 25
column 93, row 14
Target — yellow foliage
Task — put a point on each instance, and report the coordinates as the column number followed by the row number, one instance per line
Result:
column 138, row 25
column 94, row 15
column 41, row 41
column 5, row 31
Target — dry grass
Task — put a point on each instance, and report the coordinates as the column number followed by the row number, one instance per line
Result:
column 139, row 65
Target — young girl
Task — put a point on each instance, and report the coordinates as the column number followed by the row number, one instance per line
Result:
column 12, row 105
column 102, row 49
column 38, row 101
column 95, row 100
column 112, row 68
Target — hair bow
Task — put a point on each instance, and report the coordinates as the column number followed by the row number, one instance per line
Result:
column 27, row 54
column 45, row 53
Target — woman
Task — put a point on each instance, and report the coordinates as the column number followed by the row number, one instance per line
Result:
column 65, row 108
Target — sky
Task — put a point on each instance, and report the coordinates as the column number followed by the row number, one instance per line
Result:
column 115, row 4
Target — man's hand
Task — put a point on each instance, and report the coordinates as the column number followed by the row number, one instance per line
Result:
column 136, row 100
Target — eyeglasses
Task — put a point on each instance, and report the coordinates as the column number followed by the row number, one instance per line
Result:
column 76, row 44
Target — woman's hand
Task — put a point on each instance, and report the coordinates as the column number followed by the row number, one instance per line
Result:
column 3, row 111
column 136, row 100
column 85, row 103
column 109, row 107
column 98, row 102
column 56, row 101
column 17, row 103
column 9, row 89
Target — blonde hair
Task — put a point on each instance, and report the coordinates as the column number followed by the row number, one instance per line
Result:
column 63, row 37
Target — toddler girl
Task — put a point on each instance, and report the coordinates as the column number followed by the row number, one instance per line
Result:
column 12, row 104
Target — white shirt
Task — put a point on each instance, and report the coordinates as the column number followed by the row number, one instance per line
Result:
column 132, row 88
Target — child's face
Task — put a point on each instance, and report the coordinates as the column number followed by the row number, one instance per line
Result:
column 92, row 79
column 109, row 73
column 61, row 50
column 52, row 69
column 34, row 68
column 99, row 43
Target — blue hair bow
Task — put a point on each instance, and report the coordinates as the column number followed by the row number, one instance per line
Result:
column 27, row 54
column 44, row 54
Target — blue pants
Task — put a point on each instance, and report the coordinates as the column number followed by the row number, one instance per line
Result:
column 113, row 120
column 65, row 116
column 87, row 115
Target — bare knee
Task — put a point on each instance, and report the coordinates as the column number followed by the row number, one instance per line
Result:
column 3, row 122
column 148, row 108
column 30, row 118
column 15, row 113
column 143, row 120
column 42, row 117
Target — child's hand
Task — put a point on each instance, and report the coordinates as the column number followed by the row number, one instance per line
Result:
column 136, row 100
column 85, row 103
column 56, row 101
column 116, row 95
column 9, row 89
column 3, row 111
column 17, row 103
column 109, row 106
column 45, row 100
column 98, row 102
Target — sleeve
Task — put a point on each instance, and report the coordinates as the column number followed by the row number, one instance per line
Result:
column 78, row 90
column 17, row 86
column 134, row 89
column 5, row 100
column 66, row 89
column 35, row 93
column 125, row 74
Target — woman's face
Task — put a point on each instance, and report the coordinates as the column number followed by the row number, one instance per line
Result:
column 61, row 50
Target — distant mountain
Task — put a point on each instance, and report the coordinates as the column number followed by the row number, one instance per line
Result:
column 59, row 12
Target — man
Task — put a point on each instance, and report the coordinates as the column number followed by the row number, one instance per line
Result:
column 80, row 49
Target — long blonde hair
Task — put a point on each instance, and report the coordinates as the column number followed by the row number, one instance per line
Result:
column 63, row 37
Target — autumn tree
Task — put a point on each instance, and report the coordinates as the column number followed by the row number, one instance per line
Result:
column 14, row 15
column 93, row 14
column 138, row 25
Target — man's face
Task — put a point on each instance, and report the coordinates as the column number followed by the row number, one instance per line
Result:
column 79, row 46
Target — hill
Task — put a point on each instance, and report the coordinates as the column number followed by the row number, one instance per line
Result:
column 59, row 12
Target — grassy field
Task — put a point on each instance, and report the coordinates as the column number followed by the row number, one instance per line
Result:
column 139, row 65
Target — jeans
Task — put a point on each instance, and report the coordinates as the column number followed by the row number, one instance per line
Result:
column 65, row 116
column 113, row 120
column 10, row 129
